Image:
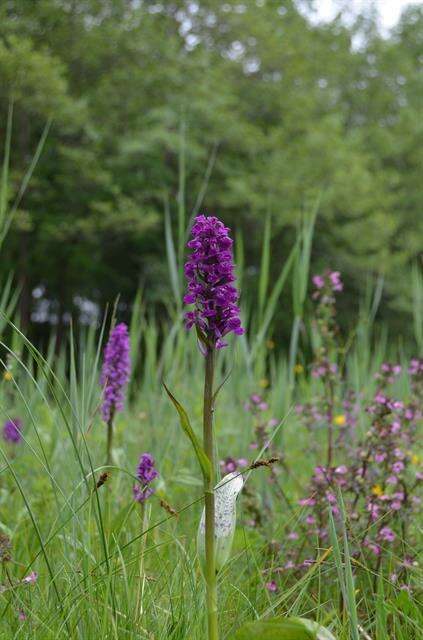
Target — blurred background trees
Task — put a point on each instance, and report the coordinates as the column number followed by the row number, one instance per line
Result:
column 155, row 104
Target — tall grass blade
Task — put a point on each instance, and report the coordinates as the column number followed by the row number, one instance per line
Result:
column 344, row 568
column 181, row 198
column 171, row 256
column 264, row 266
column 300, row 281
column 273, row 299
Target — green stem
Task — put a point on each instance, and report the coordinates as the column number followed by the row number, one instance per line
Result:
column 330, row 394
column 141, row 579
column 211, row 582
column 110, row 438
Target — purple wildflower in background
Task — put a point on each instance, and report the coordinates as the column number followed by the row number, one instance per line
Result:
column 335, row 279
column 115, row 372
column 229, row 465
column 145, row 469
column 318, row 281
column 146, row 473
column 387, row 534
column 12, row 430
column 271, row 586
column 326, row 285
column 31, row 578
column 293, row 535
column 210, row 274
column 416, row 366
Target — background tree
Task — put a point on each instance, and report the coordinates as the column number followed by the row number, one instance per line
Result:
column 277, row 109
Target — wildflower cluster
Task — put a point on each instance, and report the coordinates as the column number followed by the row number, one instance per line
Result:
column 115, row 372
column 378, row 474
column 146, row 473
column 210, row 274
column 326, row 287
column 379, row 486
column 388, row 471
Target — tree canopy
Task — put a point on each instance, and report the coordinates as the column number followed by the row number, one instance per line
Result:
column 247, row 103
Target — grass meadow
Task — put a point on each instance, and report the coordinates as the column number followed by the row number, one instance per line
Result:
column 80, row 559
column 102, row 571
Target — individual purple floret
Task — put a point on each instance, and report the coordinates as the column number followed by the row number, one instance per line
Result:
column 271, row 586
column 210, row 274
column 141, row 495
column 115, row 371
column 146, row 473
column 12, row 430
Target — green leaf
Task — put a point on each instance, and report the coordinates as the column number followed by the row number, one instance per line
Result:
column 404, row 603
column 321, row 632
column 275, row 629
column 186, row 426
column 280, row 628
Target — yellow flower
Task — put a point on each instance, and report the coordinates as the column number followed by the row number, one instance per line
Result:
column 270, row 344
column 415, row 459
column 264, row 382
column 339, row 420
column 298, row 369
column 377, row 490
column 7, row 375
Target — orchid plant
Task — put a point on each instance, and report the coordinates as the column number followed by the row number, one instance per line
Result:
column 210, row 275
column 114, row 378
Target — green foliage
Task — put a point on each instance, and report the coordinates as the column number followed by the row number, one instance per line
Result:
column 345, row 576
column 283, row 629
column 87, row 543
column 32, row 78
column 248, row 112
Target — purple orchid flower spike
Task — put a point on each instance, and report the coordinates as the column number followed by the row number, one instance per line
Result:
column 210, row 274
column 146, row 473
column 114, row 378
